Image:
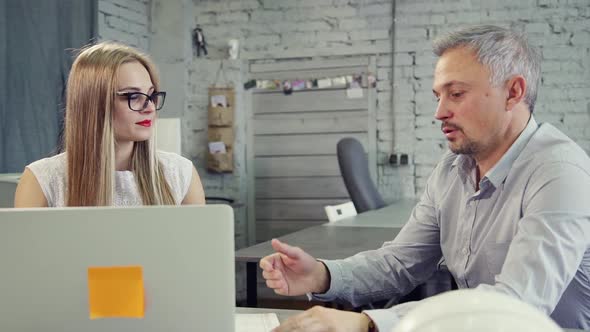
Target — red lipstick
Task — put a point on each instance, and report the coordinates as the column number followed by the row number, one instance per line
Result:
column 145, row 123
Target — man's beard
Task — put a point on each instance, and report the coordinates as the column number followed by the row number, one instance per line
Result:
column 468, row 147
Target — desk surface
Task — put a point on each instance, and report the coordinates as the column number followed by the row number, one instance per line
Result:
column 284, row 314
column 325, row 241
column 394, row 215
column 344, row 238
column 281, row 313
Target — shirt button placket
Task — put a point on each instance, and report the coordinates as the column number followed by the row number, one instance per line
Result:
column 466, row 234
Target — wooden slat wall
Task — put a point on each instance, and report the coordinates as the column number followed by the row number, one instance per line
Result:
column 315, row 122
column 311, row 74
column 311, row 144
column 289, row 166
column 301, row 188
column 305, row 65
column 294, row 141
column 307, row 101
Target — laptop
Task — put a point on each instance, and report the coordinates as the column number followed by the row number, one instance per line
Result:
column 50, row 259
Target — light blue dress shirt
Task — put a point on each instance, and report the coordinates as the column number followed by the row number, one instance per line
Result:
column 525, row 233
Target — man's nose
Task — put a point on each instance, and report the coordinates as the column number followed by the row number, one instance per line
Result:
column 442, row 112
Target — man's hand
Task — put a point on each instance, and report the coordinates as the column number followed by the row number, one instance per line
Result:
column 291, row 271
column 320, row 319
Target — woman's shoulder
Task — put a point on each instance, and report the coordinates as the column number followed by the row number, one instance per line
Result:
column 50, row 173
column 52, row 164
column 170, row 159
column 175, row 165
column 178, row 172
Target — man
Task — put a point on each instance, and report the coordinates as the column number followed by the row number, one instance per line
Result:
column 507, row 207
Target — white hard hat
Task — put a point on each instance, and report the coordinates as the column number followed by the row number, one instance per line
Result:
column 475, row 310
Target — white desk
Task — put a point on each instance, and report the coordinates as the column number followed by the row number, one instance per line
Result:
column 284, row 314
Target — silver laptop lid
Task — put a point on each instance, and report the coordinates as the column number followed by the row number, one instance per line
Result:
column 186, row 255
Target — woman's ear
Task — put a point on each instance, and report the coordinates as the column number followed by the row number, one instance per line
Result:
column 516, row 91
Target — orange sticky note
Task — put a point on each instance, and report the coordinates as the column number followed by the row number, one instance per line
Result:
column 115, row 292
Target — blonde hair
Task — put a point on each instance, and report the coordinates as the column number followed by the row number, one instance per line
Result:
column 89, row 136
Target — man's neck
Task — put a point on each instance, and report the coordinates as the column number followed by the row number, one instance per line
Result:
column 123, row 151
column 513, row 131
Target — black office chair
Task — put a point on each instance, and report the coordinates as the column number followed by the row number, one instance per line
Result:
column 354, row 168
column 218, row 200
column 7, row 191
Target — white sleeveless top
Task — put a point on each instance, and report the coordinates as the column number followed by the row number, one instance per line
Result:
column 51, row 175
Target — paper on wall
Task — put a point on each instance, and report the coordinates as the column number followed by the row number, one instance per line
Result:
column 217, row 147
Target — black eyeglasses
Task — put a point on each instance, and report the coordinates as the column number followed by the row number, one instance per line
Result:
column 139, row 101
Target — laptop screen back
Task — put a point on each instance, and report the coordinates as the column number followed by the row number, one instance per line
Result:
column 185, row 256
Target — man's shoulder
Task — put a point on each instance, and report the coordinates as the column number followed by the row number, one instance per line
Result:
column 549, row 145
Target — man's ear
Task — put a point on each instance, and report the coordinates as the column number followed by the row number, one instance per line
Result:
column 516, row 91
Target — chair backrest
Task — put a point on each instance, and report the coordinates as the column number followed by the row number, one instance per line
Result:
column 354, row 168
column 7, row 190
column 341, row 211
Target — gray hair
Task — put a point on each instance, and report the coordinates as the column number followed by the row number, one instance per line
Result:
column 505, row 52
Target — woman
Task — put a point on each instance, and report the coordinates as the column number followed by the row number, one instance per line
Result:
column 113, row 94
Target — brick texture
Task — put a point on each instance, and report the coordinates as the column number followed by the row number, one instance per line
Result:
column 270, row 29
column 126, row 21
column 559, row 28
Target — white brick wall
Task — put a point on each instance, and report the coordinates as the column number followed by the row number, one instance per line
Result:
column 560, row 28
column 303, row 28
column 291, row 25
column 126, row 21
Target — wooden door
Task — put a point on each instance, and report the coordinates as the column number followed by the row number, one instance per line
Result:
column 291, row 154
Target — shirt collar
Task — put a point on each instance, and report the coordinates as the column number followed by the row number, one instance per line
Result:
column 497, row 174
